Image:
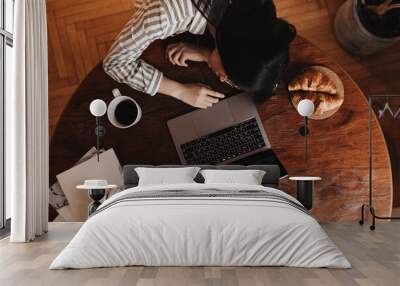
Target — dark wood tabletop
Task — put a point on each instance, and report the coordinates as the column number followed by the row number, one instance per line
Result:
column 338, row 145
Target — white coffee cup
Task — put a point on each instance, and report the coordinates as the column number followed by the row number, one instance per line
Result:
column 112, row 106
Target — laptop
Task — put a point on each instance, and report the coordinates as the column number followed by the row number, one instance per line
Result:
column 227, row 132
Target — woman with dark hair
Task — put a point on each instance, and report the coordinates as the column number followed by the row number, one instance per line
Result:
column 251, row 47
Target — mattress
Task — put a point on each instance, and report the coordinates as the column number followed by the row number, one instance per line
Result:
column 201, row 225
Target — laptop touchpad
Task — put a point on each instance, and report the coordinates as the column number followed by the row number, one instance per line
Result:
column 213, row 119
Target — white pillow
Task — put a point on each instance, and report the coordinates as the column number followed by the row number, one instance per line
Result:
column 165, row 176
column 247, row 177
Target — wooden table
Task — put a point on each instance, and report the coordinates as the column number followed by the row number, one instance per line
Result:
column 338, row 145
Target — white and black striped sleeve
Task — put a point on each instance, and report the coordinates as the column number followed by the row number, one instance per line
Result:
column 122, row 62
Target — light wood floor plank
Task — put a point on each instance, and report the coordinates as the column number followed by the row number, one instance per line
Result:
column 375, row 257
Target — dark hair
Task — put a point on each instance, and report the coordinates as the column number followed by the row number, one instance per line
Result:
column 252, row 42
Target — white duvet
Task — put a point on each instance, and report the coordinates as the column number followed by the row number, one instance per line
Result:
column 200, row 231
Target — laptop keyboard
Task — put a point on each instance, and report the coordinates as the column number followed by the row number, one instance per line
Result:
column 225, row 144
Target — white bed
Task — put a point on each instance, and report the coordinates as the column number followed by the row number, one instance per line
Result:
column 205, row 230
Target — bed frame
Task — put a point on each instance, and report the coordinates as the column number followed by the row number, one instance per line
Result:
column 271, row 177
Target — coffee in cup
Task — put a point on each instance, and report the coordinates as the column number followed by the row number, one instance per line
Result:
column 123, row 111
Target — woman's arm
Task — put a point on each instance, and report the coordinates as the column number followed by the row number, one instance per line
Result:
column 122, row 62
column 197, row 95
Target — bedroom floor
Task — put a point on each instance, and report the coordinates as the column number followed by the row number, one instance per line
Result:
column 375, row 257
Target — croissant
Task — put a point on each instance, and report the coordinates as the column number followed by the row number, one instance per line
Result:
column 313, row 80
column 323, row 102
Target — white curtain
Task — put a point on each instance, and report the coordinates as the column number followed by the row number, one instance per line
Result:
column 27, row 124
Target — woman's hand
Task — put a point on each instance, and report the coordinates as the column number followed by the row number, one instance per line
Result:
column 194, row 94
column 179, row 53
column 198, row 95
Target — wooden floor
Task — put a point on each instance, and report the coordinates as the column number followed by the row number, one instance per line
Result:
column 375, row 257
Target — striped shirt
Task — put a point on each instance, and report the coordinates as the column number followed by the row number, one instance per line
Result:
column 153, row 19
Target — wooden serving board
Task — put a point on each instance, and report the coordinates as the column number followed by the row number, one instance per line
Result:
column 340, row 91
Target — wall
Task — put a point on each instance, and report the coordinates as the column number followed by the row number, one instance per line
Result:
column 80, row 33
